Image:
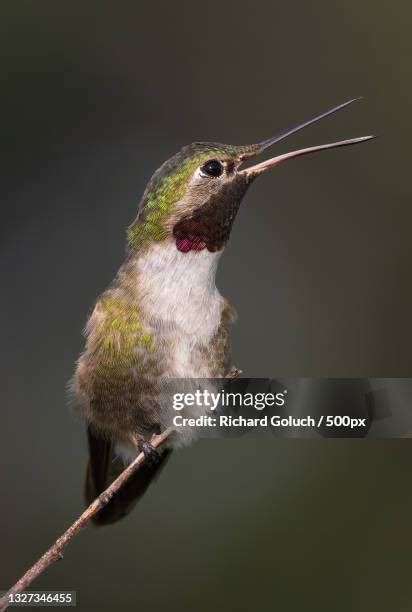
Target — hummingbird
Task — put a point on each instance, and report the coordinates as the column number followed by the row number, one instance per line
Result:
column 163, row 317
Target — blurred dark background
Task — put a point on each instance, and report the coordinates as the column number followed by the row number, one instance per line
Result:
column 95, row 95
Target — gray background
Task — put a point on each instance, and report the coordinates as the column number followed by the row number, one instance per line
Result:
column 94, row 97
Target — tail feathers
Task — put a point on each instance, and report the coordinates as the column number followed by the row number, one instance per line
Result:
column 103, row 468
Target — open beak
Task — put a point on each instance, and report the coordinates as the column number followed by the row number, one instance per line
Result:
column 254, row 171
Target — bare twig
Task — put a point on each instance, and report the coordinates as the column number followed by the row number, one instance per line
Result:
column 54, row 553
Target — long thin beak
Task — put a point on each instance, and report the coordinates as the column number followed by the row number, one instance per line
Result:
column 253, row 171
column 269, row 163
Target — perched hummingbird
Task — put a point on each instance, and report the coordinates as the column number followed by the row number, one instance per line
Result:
column 162, row 316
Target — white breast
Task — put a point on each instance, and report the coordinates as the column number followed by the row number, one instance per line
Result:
column 179, row 295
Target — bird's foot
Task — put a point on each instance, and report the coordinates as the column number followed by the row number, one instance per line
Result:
column 151, row 454
column 233, row 372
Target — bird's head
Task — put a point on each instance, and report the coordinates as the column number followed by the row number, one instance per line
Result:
column 193, row 198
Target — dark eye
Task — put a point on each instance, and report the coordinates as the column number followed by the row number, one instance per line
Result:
column 213, row 167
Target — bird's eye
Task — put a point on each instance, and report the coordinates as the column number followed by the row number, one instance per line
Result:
column 213, row 168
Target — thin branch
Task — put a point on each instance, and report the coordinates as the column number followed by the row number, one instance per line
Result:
column 54, row 553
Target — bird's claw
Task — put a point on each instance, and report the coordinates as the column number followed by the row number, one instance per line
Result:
column 151, row 453
column 233, row 372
